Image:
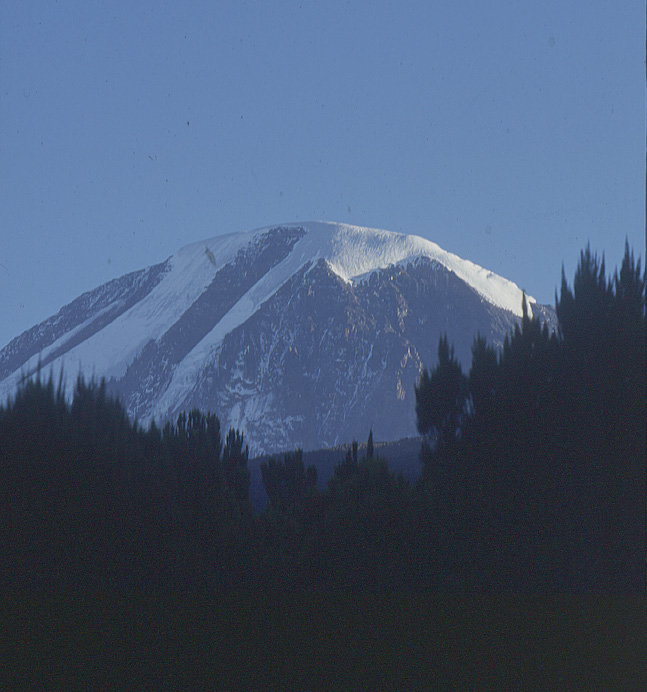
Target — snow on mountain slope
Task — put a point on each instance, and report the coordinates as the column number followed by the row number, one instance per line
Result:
column 351, row 252
column 354, row 251
column 326, row 314
column 108, row 352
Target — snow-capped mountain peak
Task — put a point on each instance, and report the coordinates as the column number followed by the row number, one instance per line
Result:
column 291, row 333
column 355, row 251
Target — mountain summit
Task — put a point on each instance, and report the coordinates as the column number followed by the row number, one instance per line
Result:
column 298, row 335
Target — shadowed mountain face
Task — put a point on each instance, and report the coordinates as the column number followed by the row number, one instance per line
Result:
column 300, row 336
column 323, row 361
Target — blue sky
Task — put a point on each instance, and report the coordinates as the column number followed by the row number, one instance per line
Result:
column 509, row 133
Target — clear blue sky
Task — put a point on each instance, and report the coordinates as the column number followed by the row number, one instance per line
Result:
column 509, row 133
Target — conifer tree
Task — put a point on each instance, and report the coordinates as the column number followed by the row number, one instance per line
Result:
column 287, row 482
column 483, row 376
column 441, row 397
column 234, row 460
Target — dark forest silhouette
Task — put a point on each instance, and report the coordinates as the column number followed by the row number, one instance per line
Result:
column 532, row 478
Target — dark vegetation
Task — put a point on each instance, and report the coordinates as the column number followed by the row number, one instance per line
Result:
column 531, row 479
column 402, row 456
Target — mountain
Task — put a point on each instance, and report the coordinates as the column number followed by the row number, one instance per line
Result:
column 300, row 335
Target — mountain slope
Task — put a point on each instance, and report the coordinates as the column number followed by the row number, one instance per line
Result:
column 299, row 335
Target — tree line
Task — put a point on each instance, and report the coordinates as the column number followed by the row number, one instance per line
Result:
column 532, row 478
column 535, row 459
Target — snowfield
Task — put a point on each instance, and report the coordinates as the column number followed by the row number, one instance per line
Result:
column 354, row 251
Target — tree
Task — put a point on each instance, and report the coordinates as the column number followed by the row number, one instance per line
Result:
column 629, row 326
column 483, row 376
column 348, row 466
column 288, row 482
column 584, row 312
column 441, row 397
column 360, row 535
column 234, row 461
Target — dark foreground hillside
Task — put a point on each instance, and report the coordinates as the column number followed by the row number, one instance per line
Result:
column 314, row 641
